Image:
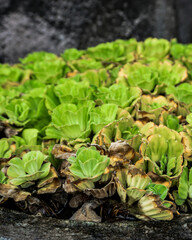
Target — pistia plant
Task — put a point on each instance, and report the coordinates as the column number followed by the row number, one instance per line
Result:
column 88, row 166
column 108, row 127
column 24, row 172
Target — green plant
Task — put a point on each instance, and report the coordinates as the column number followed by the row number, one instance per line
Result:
column 25, row 171
column 88, row 164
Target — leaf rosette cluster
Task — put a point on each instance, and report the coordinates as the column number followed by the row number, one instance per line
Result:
column 88, row 167
column 23, row 172
column 113, row 116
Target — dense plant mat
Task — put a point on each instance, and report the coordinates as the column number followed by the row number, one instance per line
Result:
column 100, row 134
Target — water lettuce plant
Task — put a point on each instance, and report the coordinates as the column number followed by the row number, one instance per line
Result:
column 23, row 172
column 70, row 121
column 162, row 152
column 112, row 122
column 90, row 163
column 135, row 187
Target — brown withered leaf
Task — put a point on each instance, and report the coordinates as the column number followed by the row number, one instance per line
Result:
column 159, row 180
column 100, row 148
column 107, row 191
column 187, row 142
column 52, row 174
column 64, row 168
column 68, row 186
column 61, row 151
column 51, row 187
column 120, row 151
column 9, row 191
column 50, row 183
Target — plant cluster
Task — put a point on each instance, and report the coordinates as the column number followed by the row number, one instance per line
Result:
column 103, row 132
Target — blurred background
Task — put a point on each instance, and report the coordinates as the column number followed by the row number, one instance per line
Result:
column 54, row 25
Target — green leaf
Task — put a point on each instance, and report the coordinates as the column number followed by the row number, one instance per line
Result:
column 45, row 169
column 30, row 136
column 154, row 49
column 179, row 201
column 173, row 123
column 189, row 119
column 77, row 171
column 38, row 57
column 16, row 168
column 4, row 147
column 33, row 161
column 101, row 116
column 183, row 184
column 158, row 189
column 88, row 166
column 3, row 179
column 72, row 54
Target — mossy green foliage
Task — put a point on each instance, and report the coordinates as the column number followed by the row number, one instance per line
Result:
column 140, row 92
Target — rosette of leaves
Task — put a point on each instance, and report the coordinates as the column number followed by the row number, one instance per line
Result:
column 10, row 74
column 17, row 144
column 24, row 172
column 162, row 152
column 130, row 48
column 138, row 75
column 99, row 77
column 70, row 122
column 102, row 115
column 72, row 54
column 170, row 74
column 27, row 140
column 153, row 49
column 73, row 92
column 143, row 198
column 177, row 50
column 124, row 97
column 26, row 112
column 182, row 53
column 17, row 112
column 107, row 52
column 48, row 71
column 37, row 57
column 183, row 92
column 127, row 129
column 38, row 114
column 82, row 65
column 151, row 107
column 89, row 167
column 123, row 129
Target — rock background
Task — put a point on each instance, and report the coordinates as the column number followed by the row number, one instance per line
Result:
column 54, row 25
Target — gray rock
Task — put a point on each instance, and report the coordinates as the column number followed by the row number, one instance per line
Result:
column 184, row 20
column 16, row 226
column 35, row 25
